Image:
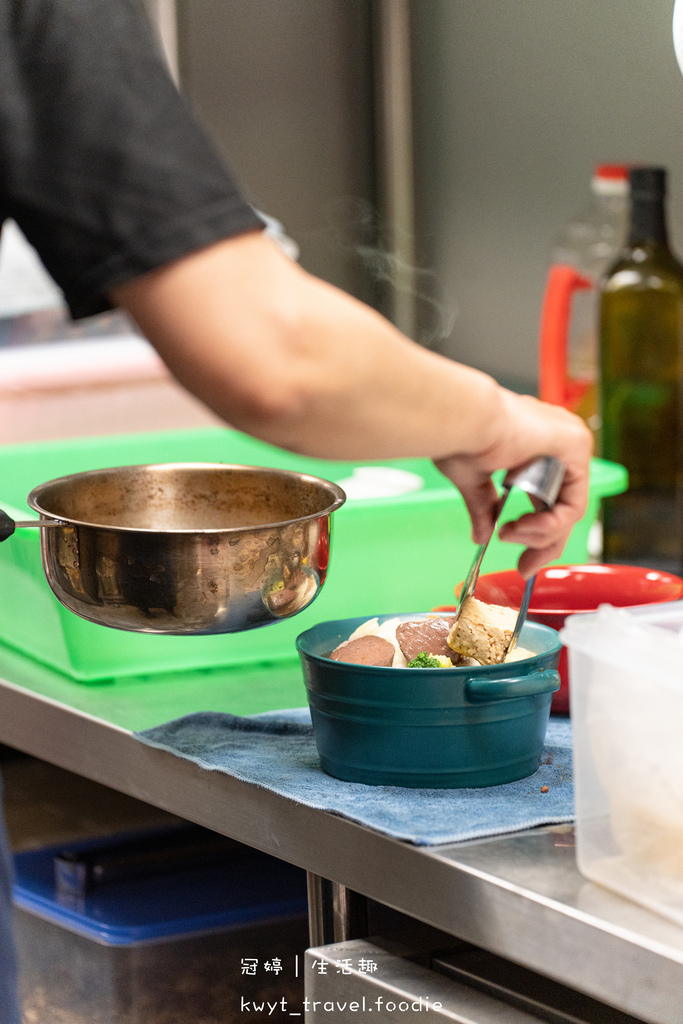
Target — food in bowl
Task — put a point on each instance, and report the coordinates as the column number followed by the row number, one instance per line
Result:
column 427, row 642
column 483, row 631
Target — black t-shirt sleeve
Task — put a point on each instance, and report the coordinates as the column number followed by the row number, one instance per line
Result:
column 102, row 164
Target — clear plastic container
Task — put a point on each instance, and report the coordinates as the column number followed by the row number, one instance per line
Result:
column 593, row 237
column 626, row 678
column 587, row 245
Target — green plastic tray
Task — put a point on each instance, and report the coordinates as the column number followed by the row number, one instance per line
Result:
column 400, row 553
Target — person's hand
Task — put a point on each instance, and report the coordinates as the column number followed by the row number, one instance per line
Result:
column 526, row 429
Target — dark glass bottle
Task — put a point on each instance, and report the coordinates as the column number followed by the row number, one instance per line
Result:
column 641, row 370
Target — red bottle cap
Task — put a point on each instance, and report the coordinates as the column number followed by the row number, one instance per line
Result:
column 616, row 172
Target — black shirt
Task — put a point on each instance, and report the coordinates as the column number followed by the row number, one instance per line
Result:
column 101, row 163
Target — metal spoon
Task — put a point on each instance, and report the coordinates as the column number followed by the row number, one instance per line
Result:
column 541, row 480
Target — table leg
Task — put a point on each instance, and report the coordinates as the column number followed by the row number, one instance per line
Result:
column 335, row 913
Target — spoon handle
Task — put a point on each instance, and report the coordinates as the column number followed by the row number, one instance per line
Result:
column 523, row 609
column 473, row 575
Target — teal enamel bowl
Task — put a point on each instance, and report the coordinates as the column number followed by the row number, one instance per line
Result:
column 436, row 728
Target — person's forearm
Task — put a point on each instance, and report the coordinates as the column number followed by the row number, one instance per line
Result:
column 292, row 360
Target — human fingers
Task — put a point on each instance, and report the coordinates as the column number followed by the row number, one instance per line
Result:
column 543, row 527
column 545, row 533
column 540, row 533
column 533, row 559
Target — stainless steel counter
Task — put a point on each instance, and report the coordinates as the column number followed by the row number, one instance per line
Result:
column 519, row 896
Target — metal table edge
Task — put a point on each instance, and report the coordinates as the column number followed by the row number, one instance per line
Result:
column 430, row 884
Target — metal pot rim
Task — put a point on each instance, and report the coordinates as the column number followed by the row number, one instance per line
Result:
column 33, row 498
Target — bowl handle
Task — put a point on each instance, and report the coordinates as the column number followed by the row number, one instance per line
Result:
column 545, row 680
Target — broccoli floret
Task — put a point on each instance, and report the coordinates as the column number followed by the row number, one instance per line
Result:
column 425, row 660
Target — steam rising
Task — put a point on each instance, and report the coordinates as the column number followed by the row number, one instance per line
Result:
column 356, row 227
column 435, row 317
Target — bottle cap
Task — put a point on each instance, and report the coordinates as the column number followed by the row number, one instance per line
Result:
column 647, row 181
column 610, row 180
column 613, row 171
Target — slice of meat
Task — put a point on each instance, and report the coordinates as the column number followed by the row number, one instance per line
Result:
column 365, row 650
column 428, row 635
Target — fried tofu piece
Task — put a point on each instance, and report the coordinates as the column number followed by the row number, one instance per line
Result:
column 483, row 631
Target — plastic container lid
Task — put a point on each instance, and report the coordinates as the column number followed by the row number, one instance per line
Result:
column 647, row 639
column 368, row 482
column 170, row 905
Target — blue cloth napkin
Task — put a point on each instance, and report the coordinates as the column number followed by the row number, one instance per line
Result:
column 276, row 750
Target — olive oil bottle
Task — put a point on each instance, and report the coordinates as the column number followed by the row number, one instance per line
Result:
column 641, row 384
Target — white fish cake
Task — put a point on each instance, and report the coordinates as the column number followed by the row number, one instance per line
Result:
column 483, row 631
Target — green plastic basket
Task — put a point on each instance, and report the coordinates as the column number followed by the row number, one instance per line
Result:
column 407, row 551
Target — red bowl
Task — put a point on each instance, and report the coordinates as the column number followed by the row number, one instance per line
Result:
column 562, row 590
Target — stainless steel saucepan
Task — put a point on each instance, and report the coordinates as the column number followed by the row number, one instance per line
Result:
column 184, row 548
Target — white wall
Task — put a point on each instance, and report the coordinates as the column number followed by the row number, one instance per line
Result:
column 514, row 103
column 516, row 100
column 284, row 88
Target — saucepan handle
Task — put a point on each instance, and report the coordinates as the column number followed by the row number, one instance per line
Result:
column 545, row 680
column 9, row 525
